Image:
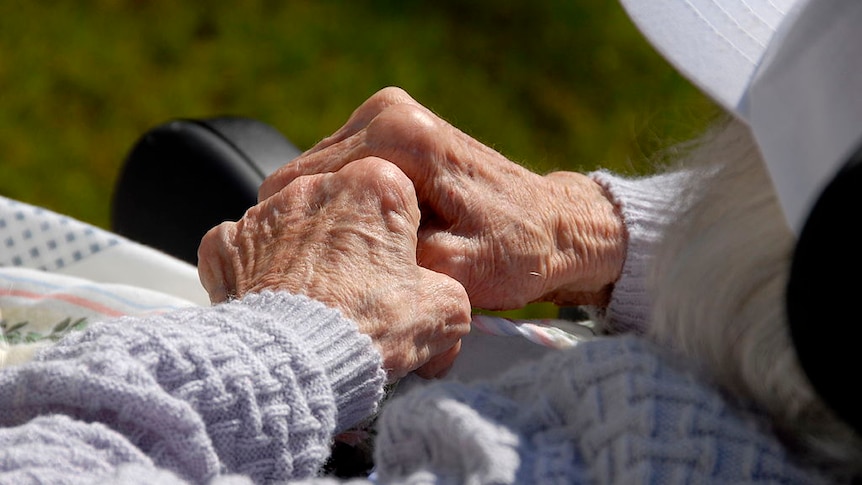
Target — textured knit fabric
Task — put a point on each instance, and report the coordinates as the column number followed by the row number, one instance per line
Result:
column 252, row 392
column 199, row 392
column 648, row 205
column 610, row 411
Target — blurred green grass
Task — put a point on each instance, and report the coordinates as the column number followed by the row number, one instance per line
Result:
column 551, row 84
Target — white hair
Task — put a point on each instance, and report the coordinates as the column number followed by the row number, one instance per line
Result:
column 719, row 283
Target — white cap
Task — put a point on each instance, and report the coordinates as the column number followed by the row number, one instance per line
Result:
column 791, row 69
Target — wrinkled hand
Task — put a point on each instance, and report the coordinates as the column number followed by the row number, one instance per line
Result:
column 509, row 235
column 347, row 239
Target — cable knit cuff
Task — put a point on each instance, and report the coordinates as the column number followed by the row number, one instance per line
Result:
column 352, row 363
column 648, row 205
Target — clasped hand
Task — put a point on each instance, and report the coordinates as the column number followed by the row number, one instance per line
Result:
column 404, row 223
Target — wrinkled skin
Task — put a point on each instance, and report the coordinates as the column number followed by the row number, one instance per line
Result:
column 509, row 235
column 347, row 239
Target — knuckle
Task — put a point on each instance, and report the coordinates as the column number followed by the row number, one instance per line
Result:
column 216, row 236
column 382, row 176
column 391, row 95
column 386, row 173
column 381, row 100
column 458, row 303
column 403, row 124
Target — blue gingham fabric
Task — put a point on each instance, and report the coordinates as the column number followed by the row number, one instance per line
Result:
column 34, row 237
column 37, row 238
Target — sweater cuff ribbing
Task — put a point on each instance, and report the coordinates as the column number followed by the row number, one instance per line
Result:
column 648, row 206
column 351, row 361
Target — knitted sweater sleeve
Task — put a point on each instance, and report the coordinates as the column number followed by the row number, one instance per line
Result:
column 255, row 387
column 648, row 206
column 613, row 410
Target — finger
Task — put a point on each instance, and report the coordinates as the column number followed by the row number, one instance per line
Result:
column 440, row 364
column 215, row 268
column 329, row 160
column 394, row 192
column 441, row 250
column 449, row 300
column 359, row 119
column 362, row 116
column 405, row 134
column 458, row 257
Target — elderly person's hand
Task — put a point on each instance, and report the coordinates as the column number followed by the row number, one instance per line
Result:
column 347, row 239
column 509, row 235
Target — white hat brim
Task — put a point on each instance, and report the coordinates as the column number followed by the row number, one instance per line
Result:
column 792, row 69
column 717, row 44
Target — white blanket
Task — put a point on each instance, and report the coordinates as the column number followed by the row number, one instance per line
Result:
column 57, row 274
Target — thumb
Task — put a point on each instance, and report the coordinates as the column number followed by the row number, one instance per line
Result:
column 440, row 364
column 443, row 252
column 215, row 268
